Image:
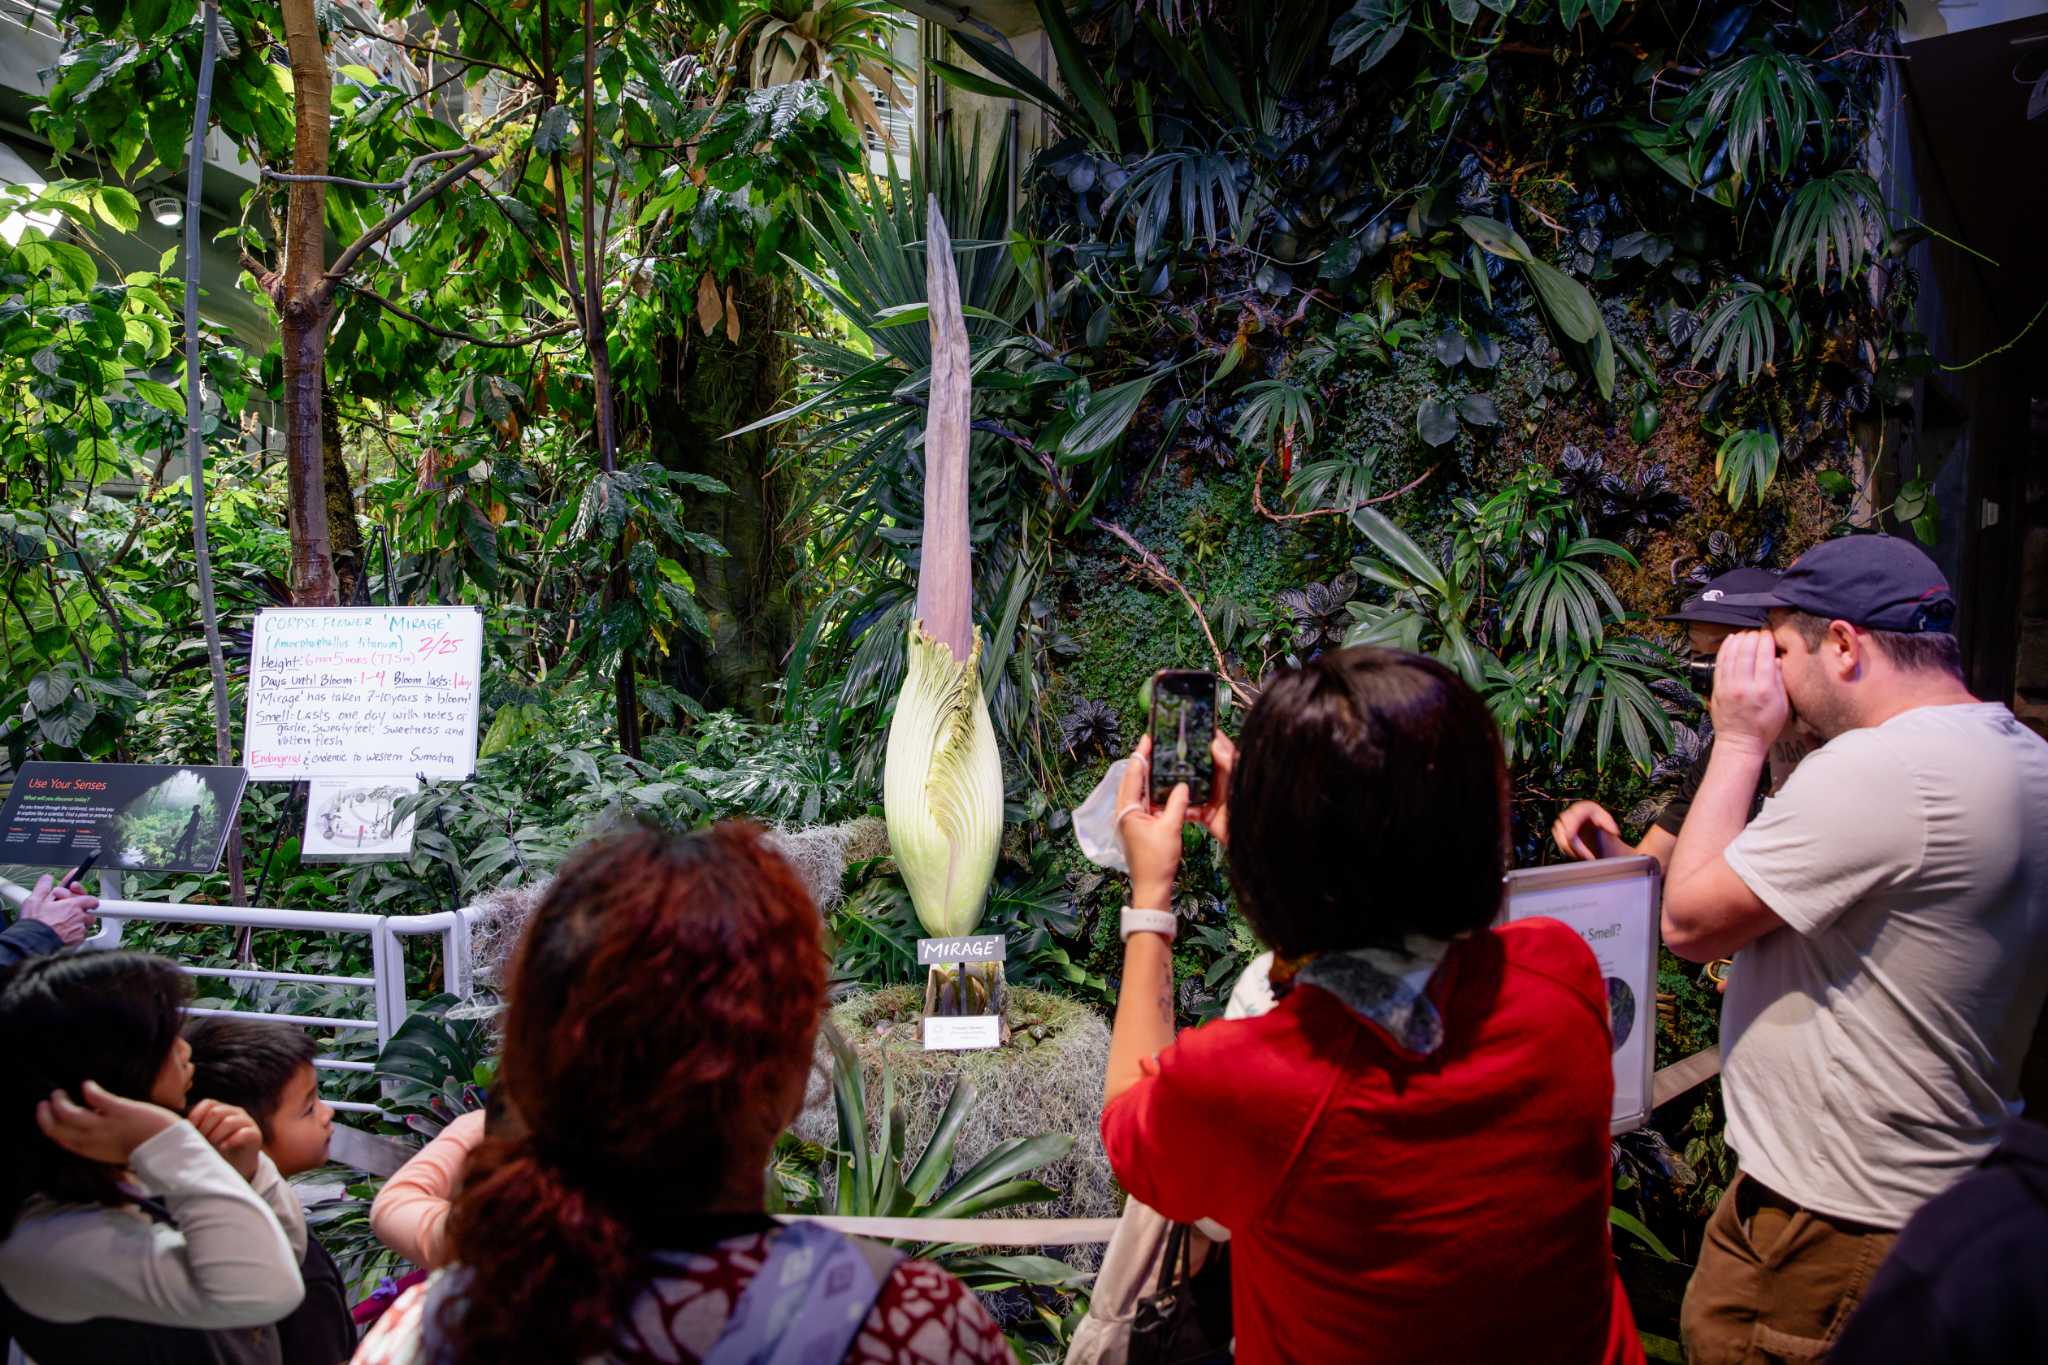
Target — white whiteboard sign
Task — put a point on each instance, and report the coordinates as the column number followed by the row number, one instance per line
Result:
column 1614, row 906
column 363, row 691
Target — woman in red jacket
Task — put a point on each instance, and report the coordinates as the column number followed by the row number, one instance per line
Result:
column 1411, row 1148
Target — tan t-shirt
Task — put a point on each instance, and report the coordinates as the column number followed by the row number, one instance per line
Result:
column 1870, row 1049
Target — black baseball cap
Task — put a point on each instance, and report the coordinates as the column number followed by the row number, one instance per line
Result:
column 1876, row 582
column 1711, row 605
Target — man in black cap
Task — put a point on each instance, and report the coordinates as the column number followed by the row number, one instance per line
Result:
column 1890, row 911
column 1586, row 830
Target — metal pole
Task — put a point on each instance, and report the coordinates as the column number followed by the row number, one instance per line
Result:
column 195, row 446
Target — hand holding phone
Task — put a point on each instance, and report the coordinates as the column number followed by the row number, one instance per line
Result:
column 1182, row 730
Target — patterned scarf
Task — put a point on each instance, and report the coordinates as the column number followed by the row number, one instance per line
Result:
column 1385, row 986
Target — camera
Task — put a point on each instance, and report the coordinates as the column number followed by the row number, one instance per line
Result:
column 1700, row 673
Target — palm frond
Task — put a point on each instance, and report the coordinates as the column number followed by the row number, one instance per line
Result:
column 1613, row 687
column 1742, row 332
column 1836, row 220
column 1746, row 460
column 1763, row 103
column 1274, row 407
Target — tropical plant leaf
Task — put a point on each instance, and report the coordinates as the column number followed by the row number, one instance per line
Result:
column 1479, row 410
column 1746, row 460
column 1763, row 103
column 1203, row 184
column 1633, row 1226
column 1400, row 550
column 1436, row 422
column 1368, row 30
column 1741, row 333
column 1077, row 71
column 1837, row 220
column 1272, row 408
column 1613, row 686
column 1562, row 603
column 1109, row 414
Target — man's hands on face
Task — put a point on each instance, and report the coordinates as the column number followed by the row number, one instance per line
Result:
column 1749, row 705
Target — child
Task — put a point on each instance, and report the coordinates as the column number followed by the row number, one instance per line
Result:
column 266, row 1069
column 131, row 1234
column 411, row 1212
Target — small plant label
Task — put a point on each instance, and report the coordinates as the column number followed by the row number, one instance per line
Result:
column 962, row 1034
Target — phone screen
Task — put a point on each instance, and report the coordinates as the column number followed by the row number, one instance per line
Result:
column 1183, row 723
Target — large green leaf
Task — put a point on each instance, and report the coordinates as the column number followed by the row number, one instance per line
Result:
column 1077, row 71
column 1109, row 414
column 1400, row 550
column 1368, row 30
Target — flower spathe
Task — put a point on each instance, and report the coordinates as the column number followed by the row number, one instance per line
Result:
column 942, row 786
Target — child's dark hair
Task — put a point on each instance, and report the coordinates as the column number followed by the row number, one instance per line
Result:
column 66, row 1019
column 247, row 1063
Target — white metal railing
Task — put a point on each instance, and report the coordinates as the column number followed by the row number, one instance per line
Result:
column 387, row 1003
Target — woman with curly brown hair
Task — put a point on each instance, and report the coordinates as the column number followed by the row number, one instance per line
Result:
column 663, row 1006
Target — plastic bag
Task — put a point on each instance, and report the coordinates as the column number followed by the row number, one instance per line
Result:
column 1095, row 821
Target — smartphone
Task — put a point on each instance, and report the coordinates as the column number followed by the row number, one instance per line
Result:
column 1183, row 724
column 85, row 866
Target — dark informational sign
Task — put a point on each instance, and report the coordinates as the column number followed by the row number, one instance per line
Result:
column 138, row 817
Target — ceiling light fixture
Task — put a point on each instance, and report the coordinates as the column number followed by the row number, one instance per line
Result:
column 167, row 211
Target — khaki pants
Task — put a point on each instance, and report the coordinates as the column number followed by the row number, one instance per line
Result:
column 1775, row 1282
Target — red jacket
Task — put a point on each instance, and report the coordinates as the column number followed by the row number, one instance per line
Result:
column 1389, row 1207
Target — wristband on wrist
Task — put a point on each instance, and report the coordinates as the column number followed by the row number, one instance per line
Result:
column 1162, row 922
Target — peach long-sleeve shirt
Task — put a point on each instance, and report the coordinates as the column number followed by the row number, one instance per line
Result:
column 411, row 1212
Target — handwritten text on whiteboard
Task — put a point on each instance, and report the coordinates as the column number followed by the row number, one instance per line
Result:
column 363, row 691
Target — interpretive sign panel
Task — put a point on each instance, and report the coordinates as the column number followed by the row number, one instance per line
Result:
column 140, row 817
column 1614, row 905
column 363, row 692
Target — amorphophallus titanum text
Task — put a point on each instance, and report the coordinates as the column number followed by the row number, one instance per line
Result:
column 942, row 779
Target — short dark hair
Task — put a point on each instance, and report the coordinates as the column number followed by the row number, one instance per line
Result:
column 1926, row 651
column 1370, row 801
column 64, row 1020
column 247, row 1062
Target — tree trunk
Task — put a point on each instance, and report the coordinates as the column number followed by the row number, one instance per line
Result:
column 304, row 335
column 344, row 532
column 749, row 593
column 303, row 312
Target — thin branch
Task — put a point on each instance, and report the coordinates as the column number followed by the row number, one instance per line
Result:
column 339, row 270
column 1259, row 502
column 1152, row 565
column 532, row 69
column 506, row 343
column 387, row 186
column 573, row 281
column 98, row 592
column 430, row 50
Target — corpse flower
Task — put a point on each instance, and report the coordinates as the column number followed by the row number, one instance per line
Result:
column 942, row 779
